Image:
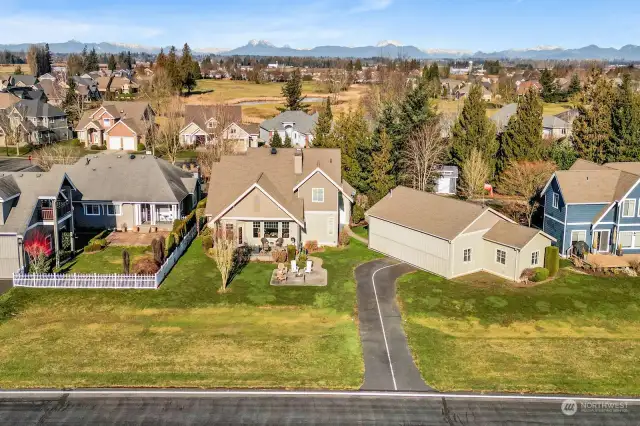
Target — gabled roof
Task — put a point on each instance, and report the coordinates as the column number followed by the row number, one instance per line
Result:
column 200, row 114
column 8, row 187
column 251, row 128
column 8, row 99
column 31, row 108
column 512, row 234
column 503, row 115
column 436, row 215
column 117, row 177
column 52, row 89
column 302, row 122
column 554, row 122
column 27, row 80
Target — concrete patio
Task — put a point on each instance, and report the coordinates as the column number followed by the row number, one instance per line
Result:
column 134, row 238
column 602, row 260
column 316, row 278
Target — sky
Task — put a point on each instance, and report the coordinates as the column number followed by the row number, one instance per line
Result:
column 487, row 25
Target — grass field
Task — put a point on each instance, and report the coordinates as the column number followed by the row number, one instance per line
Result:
column 453, row 106
column 106, row 261
column 187, row 333
column 575, row 334
column 263, row 111
column 362, row 231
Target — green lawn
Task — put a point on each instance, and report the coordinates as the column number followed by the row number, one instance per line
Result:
column 107, row 261
column 575, row 334
column 233, row 90
column 362, row 231
column 187, row 333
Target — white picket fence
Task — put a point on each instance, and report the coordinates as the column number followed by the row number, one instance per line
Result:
column 118, row 281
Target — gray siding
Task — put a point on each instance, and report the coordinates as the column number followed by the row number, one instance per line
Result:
column 556, row 230
column 559, row 212
column 103, row 221
column 9, row 255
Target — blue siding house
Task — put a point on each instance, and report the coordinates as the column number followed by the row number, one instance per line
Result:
column 597, row 204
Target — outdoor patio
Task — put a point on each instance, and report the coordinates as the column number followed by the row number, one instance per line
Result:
column 317, row 277
column 134, row 238
column 601, row 260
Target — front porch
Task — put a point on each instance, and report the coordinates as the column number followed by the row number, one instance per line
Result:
column 148, row 215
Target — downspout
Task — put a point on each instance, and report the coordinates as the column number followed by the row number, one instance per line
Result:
column 55, row 232
column 515, row 271
column 73, row 226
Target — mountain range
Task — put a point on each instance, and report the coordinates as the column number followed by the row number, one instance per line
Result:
column 387, row 48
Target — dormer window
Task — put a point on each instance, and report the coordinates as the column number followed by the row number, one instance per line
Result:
column 629, row 208
column 107, row 122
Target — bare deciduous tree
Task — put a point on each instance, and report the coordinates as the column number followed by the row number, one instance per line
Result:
column 424, row 156
column 47, row 156
column 223, row 252
column 475, row 173
column 167, row 138
column 335, row 81
column 391, row 90
column 525, row 179
column 14, row 133
column 220, row 141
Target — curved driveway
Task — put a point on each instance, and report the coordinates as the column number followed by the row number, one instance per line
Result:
column 388, row 364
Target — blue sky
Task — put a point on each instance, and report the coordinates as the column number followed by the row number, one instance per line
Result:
column 454, row 24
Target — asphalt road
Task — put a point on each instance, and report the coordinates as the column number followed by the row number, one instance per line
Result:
column 388, row 364
column 279, row 409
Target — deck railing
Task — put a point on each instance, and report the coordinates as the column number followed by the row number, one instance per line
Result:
column 116, row 281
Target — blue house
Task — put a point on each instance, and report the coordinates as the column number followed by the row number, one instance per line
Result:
column 597, row 204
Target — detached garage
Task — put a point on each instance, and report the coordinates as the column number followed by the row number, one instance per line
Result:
column 123, row 136
column 448, row 237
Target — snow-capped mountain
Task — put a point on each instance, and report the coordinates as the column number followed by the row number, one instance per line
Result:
column 385, row 43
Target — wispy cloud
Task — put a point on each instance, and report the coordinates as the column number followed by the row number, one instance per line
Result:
column 371, row 5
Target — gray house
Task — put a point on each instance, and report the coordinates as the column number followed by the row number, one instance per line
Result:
column 298, row 125
column 126, row 191
column 553, row 126
column 33, row 203
column 41, row 122
column 450, row 237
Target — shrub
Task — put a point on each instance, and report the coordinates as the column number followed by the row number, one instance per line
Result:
column 157, row 247
column 178, row 227
column 279, row 256
column 145, row 265
column 291, row 252
column 635, row 265
column 311, row 246
column 527, row 274
column 552, row 260
column 344, row 238
column 207, row 242
column 141, row 147
column 540, row 274
column 98, row 147
column 92, row 247
column 126, row 261
column 357, row 215
column 170, row 244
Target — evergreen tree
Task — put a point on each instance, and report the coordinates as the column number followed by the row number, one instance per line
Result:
column 129, row 61
column 161, row 60
column 574, row 86
column 70, row 102
column 75, row 64
column 382, row 181
column 323, row 126
column 358, row 65
column 276, row 140
column 47, row 60
column 626, row 122
column 522, row 139
column 549, row 87
column 434, row 72
column 112, row 64
column 592, row 128
column 473, row 130
column 18, row 70
column 172, row 69
column 287, row 142
column 292, row 92
column 91, row 62
column 187, row 75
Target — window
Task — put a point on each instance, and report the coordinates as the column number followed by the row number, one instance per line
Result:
column 317, row 195
column 285, row 229
column 106, row 122
column 578, row 236
column 92, row 209
column 556, row 200
column 626, row 239
column 114, row 209
column 467, row 255
column 256, row 229
column 629, row 208
column 331, row 224
column 271, row 229
column 229, row 230
column 535, row 258
column 501, row 256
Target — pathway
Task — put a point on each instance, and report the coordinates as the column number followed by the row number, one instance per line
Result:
column 388, row 364
column 356, row 236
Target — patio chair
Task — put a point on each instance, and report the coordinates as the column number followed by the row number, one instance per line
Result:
column 308, row 269
column 294, row 267
column 279, row 242
column 265, row 245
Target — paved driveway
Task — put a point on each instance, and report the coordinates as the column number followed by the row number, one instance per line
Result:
column 388, row 364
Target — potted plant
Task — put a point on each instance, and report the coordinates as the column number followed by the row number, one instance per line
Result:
column 619, row 250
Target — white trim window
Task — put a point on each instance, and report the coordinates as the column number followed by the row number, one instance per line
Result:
column 629, row 207
column 114, row 210
column 256, row 229
column 501, row 256
column 556, row 200
column 466, row 255
column 317, row 195
column 535, row 258
column 577, row 236
column 626, row 239
column 92, row 209
column 331, row 225
column 285, row 229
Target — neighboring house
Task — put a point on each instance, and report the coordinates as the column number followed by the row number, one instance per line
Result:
column 47, row 76
column 201, row 121
column 450, row 237
column 53, row 91
column 503, row 115
column 87, row 88
column 597, row 204
column 33, row 203
column 462, row 92
column 554, row 127
column 569, row 115
column 447, row 183
column 449, row 85
column 7, row 100
column 298, row 125
column 31, row 93
column 120, row 191
column 41, row 122
column 117, row 125
column 524, row 86
column 246, row 134
column 22, row 80
column 116, row 84
column 294, row 194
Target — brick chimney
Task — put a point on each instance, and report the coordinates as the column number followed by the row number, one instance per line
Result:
column 297, row 161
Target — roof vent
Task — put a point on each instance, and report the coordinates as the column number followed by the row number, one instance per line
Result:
column 274, row 151
column 132, row 156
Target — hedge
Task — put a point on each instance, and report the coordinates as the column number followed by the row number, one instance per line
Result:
column 552, row 260
column 540, row 274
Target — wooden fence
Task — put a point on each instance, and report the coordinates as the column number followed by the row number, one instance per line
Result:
column 118, row 281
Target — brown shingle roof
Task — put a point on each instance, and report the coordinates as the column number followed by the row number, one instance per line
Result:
column 7, row 100
column 200, row 114
column 251, row 128
column 433, row 214
column 510, row 234
column 274, row 173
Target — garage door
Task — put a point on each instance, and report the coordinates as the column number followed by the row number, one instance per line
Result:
column 115, row 142
column 128, row 144
column 413, row 247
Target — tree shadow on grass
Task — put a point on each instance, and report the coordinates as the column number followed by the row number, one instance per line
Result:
column 240, row 261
